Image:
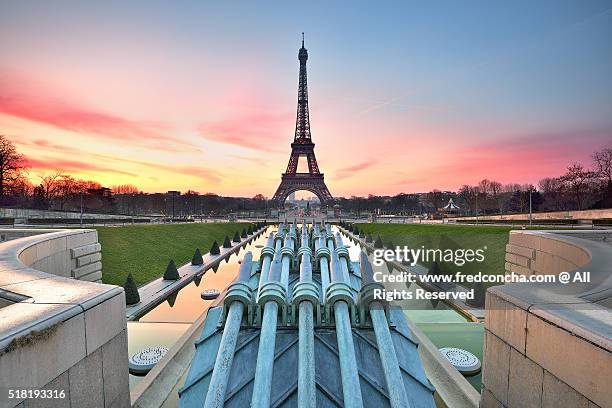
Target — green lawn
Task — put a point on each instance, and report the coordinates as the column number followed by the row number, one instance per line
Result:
column 454, row 237
column 145, row 250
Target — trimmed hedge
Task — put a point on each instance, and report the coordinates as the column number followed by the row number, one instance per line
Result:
column 197, row 258
column 171, row 271
column 131, row 291
column 378, row 244
column 227, row 243
column 214, row 250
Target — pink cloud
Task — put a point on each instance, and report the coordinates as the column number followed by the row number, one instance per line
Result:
column 525, row 158
column 70, row 165
column 27, row 99
column 256, row 130
column 352, row 170
column 206, row 174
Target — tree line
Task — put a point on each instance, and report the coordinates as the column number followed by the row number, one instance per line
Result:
column 578, row 188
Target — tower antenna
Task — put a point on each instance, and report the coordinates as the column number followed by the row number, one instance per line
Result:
column 302, row 39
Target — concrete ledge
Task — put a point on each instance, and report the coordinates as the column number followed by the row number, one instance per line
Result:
column 61, row 326
column 558, row 336
column 450, row 384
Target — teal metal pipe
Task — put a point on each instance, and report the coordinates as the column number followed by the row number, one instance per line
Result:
column 265, row 358
column 386, row 350
column 264, row 368
column 351, row 389
column 215, row 397
column 307, row 392
column 266, row 259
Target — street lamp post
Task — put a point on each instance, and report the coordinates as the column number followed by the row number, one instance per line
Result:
column 530, row 206
column 476, row 208
column 81, row 215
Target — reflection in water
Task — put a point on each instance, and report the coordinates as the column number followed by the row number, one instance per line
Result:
column 142, row 335
column 186, row 305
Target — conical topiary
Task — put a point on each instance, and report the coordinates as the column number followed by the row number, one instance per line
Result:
column 227, row 243
column 244, row 233
column 391, row 245
column 378, row 244
column 197, row 258
column 171, row 271
column 368, row 238
column 131, row 291
column 250, row 230
column 214, row 250
column 236, row 237
column 356, row 231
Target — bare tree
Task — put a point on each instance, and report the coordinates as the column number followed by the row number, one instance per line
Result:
column 469, row 195
column 553, row 190
column 125, row 189
column 603, row 163
column 578, row 181
column 51, row 185
column 12, row 165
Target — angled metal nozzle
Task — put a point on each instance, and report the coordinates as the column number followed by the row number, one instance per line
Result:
column 246, row 267
column 270, row 241
column 339, row 242
column 367, row 274
column 335, row 268
column 306, row 270
column 275, row 267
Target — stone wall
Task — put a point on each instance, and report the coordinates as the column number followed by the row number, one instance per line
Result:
column 532, row 254
column 549, row 345
column 67, row 335
column 76, row 257
column 24, row 213
column 552, row 215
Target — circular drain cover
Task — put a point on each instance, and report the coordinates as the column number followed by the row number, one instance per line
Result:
column 258, row 246
column 210, row 294
column 464, row 361
column 143, row 361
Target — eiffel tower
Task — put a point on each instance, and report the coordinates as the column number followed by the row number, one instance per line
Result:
column 302, row 146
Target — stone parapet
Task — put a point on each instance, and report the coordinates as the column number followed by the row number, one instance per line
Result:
column 63, row 334
column 550, row 344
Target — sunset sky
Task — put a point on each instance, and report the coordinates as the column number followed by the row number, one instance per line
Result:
column 404, row 97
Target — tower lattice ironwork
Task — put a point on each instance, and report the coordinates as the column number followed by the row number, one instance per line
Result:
column 302, row 147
